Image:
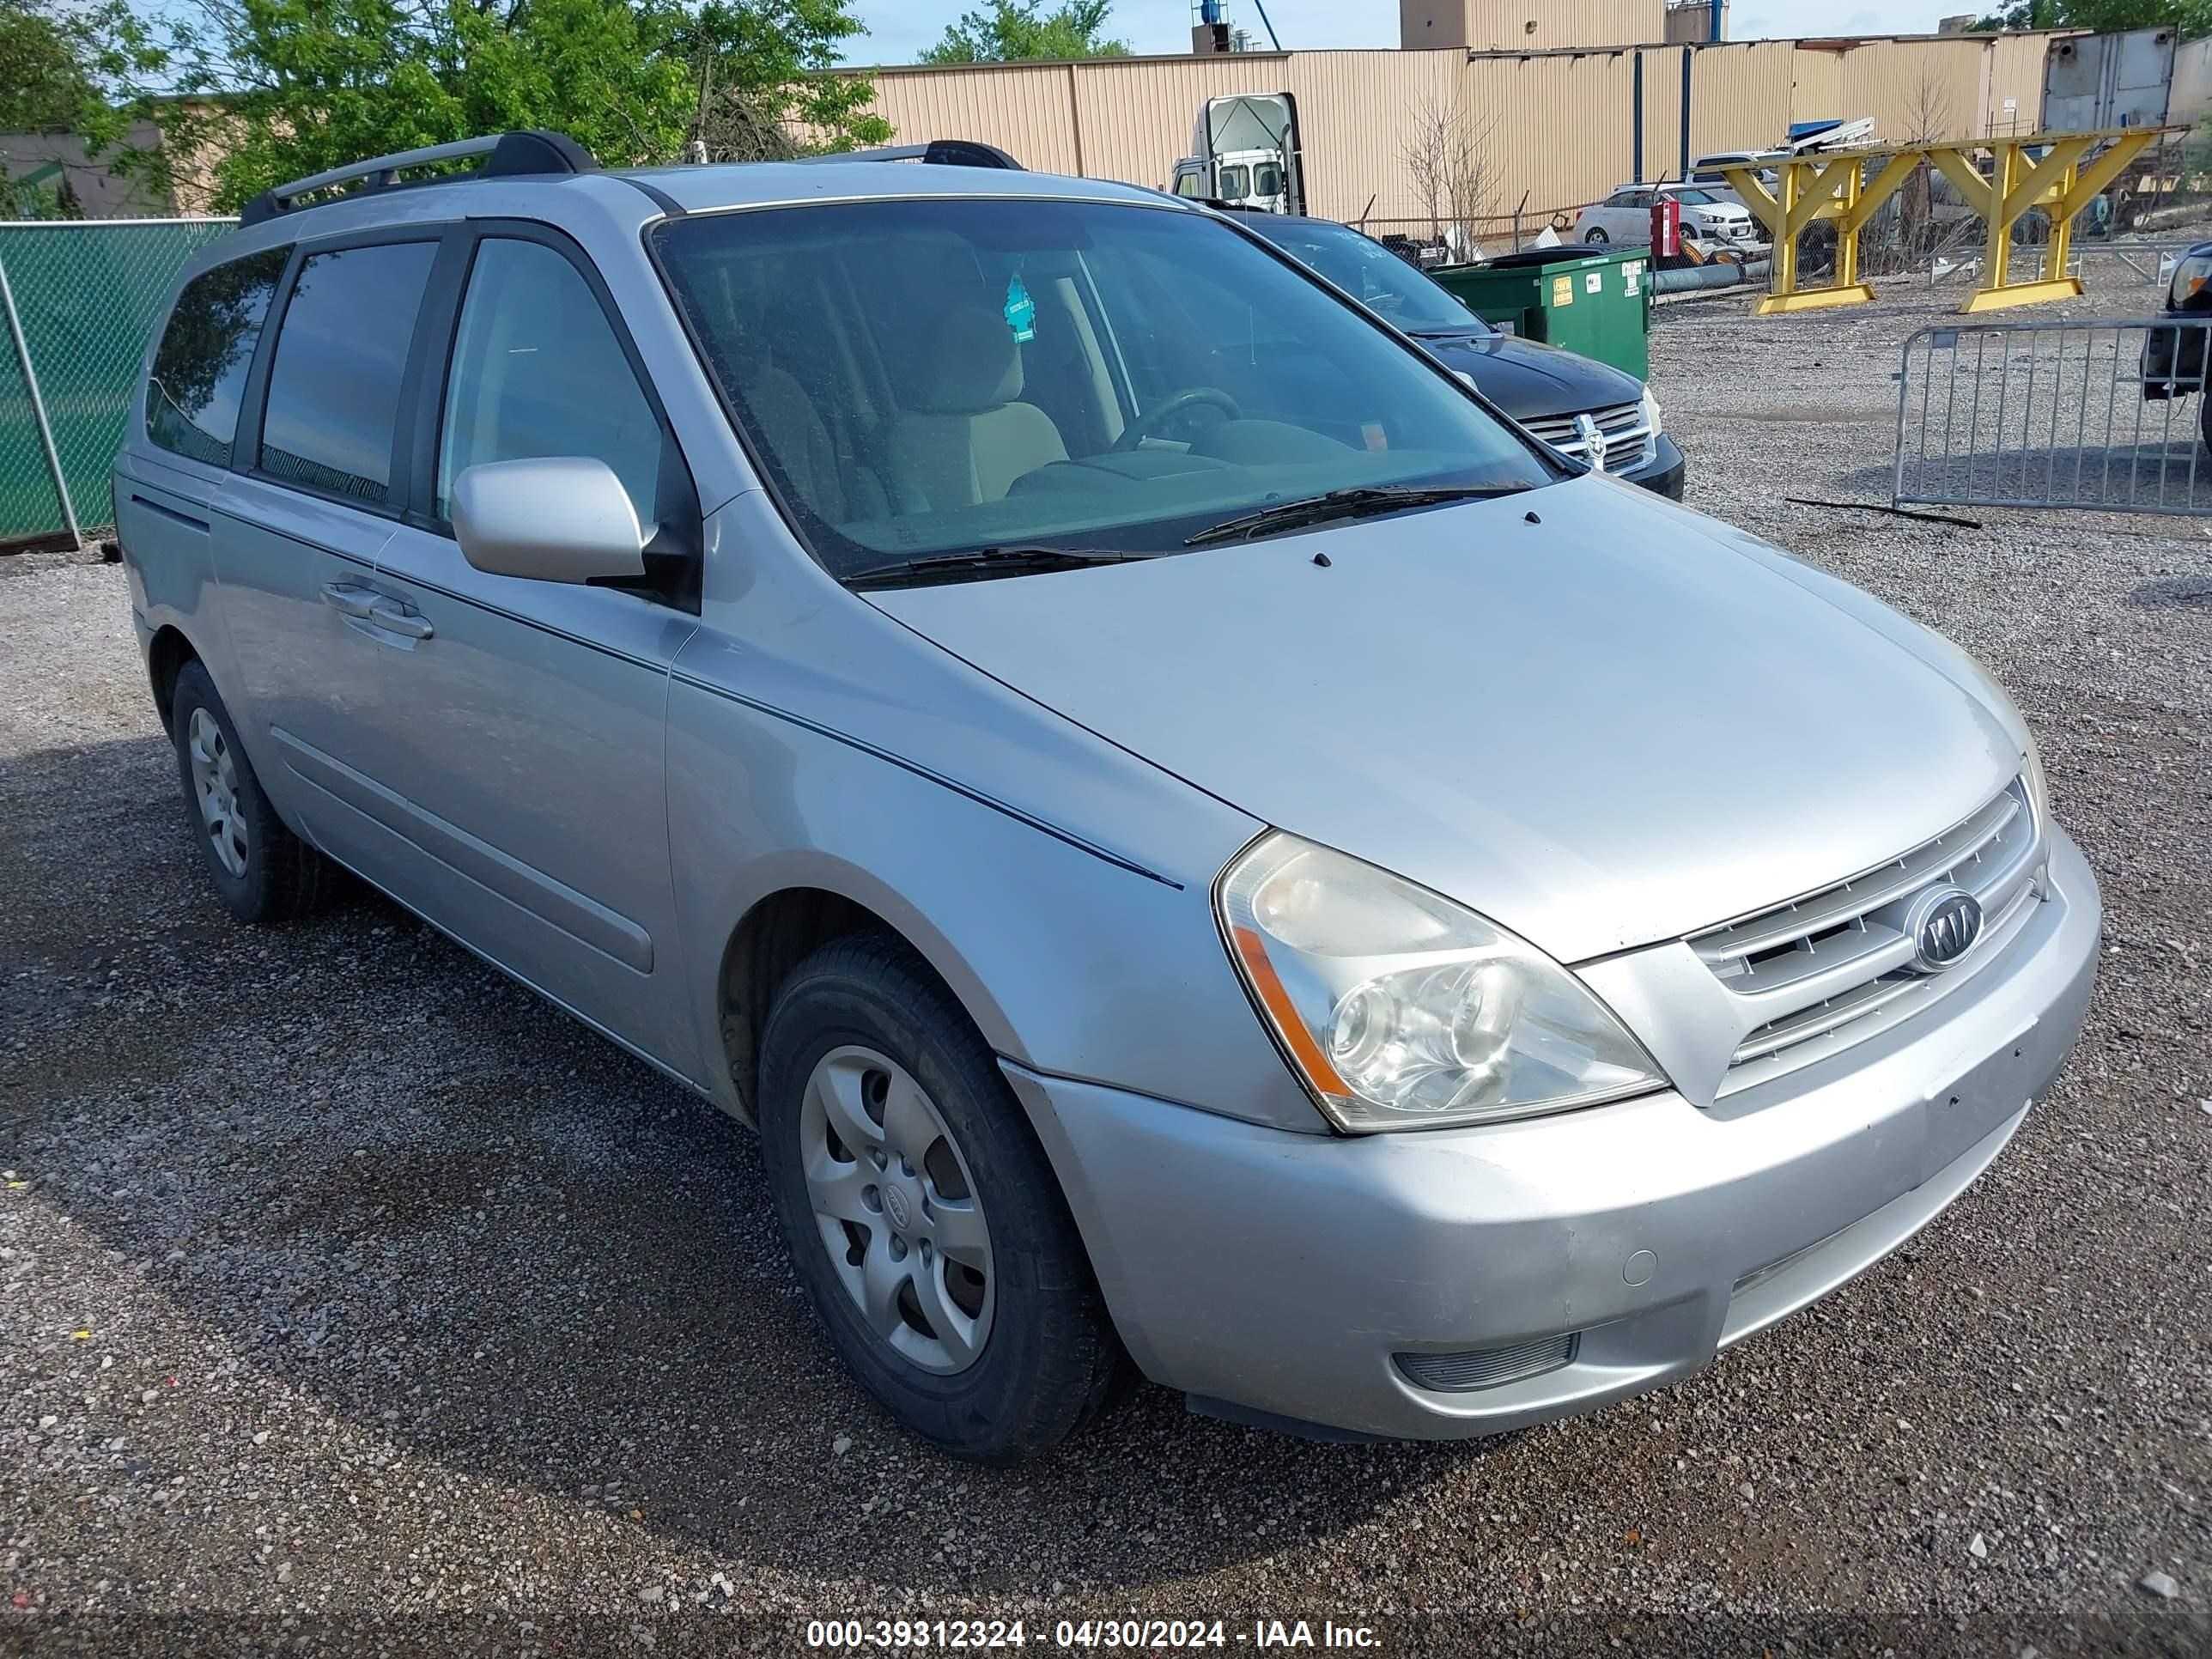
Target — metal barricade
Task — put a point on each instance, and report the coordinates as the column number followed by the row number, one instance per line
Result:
column 2100, row 415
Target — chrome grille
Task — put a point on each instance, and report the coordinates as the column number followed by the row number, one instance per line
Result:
column 1629, row 441
column 1832, row 969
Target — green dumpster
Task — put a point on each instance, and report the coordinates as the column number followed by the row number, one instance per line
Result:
column 1595, row 303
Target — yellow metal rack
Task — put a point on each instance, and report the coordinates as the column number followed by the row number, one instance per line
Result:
column 2059, row 171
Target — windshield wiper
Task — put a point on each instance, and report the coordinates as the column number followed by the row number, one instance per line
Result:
column 1358, row 503
column 985, row 561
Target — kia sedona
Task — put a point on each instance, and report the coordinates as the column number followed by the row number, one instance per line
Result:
column 1205, row 852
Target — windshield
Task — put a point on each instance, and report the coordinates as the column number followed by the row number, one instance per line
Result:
column 1234, row 184
column 1691, row 198
column 922, row 377
column 1370, row 273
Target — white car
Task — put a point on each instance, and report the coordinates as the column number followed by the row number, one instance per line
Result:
column 1625, row 217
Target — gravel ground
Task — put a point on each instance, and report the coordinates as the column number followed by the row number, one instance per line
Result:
column 355, row 1300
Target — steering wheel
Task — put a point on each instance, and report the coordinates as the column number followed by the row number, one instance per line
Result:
column 1161, row 413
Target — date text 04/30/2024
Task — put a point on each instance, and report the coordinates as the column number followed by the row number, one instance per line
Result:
column 1141, row 1634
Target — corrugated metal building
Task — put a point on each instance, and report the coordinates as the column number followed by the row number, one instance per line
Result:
column 1555, row 129
column 1529, row 25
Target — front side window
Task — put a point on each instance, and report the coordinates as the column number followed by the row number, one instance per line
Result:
column 943, row 376
column 538, row 372
column 200, row 367
column 340, row 351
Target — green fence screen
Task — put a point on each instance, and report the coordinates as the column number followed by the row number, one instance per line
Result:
column 87, row 296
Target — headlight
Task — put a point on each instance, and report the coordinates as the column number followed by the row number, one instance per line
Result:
column 2039, row 787
column 1651, row 418
column 1400, row 1009
column 2188, row 277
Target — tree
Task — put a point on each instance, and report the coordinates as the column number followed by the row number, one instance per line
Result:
column 55, row 59
column 2192, row 17
column 761, row 88
column 1453, row 179
column 255, row 92
column 1015, row 31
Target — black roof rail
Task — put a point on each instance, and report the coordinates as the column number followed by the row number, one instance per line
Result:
column 510, row 155
column 937, row 152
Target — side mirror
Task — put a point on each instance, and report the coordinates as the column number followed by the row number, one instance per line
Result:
column 558, row 518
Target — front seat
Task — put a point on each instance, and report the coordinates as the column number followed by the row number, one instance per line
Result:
column 966, row 439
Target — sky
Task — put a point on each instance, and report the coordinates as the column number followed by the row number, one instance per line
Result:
column 899, row 29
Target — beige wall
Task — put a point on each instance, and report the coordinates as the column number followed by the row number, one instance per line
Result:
column 1029, row 111
column 1528, row 25
column 2014, row 72
column 1518, row 104
column 1130, row 119
column 1556, row 127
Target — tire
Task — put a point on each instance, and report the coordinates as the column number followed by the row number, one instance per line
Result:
column 1597, row 238
column 2204, row 415
column 1027, row 1355
column 262, row 871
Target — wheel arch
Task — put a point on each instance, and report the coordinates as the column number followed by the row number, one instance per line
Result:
column 785, row 926
column 167, row 653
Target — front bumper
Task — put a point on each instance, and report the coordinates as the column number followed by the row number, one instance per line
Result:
column 1280, row 1274
column 1666, row 472
column 2174, row 357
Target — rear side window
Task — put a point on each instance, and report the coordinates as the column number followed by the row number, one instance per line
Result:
column 199, row 368
column 334, row 384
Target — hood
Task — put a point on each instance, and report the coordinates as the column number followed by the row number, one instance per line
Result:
column 1620, row 725
column 1530, row 381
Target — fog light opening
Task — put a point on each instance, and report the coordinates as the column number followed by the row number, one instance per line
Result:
column 1476, row 1369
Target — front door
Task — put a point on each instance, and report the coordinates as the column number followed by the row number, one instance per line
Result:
column 526, row 719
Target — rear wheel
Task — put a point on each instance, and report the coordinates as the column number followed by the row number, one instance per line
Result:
column 262, row 871
column 1597, row 238
column 921, row 1214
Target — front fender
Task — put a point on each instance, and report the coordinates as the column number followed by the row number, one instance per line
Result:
column 1071, row 961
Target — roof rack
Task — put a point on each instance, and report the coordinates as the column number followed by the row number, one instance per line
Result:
column 937, row 152
column 513, row 154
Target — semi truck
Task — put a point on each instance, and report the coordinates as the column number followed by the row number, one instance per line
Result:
column 1244, row 150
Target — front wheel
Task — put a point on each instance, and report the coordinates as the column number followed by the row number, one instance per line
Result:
column 920, row 1213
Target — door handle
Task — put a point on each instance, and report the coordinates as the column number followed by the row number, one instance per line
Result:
column 394, row 617
column 351, row 598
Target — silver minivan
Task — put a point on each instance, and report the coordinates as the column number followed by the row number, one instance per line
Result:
column 1204, row 851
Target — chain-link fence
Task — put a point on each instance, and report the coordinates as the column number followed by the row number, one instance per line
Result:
column 81, row 297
